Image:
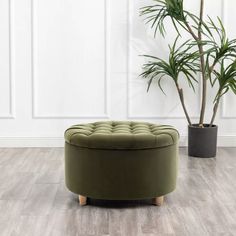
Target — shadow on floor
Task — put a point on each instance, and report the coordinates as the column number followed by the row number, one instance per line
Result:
column 120, row 203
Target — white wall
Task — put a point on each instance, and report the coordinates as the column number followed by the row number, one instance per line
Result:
column 64, row 62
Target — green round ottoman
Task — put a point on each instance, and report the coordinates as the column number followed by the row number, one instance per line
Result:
column 117, row 160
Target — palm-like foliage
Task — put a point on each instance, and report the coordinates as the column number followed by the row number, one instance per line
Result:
column 226, row 78
column 157, row 13
column 180, row 61
column 219, row 50
column 209, row 48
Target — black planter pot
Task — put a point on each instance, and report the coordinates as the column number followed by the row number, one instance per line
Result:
column 202, row 142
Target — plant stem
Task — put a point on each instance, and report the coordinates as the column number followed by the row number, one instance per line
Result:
column 204, row 81
column 198, row 39
column 191, row 32
column 212, row 67
column 181, row 96
column 215, row 111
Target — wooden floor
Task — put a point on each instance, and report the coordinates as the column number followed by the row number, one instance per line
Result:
column 34, row 200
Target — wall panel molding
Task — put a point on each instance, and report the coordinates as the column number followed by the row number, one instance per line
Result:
column 11, row 114
column 129, row 113
column 106, row 113
column 48, row 48
column 225, row 5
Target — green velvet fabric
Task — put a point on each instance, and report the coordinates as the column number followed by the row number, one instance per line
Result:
column 114, row 169
column 121, row 135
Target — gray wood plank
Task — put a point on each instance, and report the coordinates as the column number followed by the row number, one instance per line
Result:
column 40, row 200
column 34, row 200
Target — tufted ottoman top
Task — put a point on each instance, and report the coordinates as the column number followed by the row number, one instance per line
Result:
column 121, row 135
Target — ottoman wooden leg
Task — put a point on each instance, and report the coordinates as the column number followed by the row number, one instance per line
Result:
column 158, row 201
column 82, row 200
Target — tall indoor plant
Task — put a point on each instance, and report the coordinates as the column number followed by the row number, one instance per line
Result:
column 208, row 51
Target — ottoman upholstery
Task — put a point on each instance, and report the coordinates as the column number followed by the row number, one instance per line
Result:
column 121, row 160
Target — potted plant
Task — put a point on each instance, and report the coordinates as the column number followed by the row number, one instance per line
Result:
column 207, row 51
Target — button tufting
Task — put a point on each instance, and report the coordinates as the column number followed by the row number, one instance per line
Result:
column 121, row 135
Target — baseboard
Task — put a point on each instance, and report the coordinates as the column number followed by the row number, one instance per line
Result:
column 31, row 142
column 223, row 141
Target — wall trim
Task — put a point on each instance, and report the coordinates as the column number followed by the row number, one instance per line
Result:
column 106, row 114
column 223, row 141
column 31, row 142
column 224, row 7
column 11, row 114
column 129, row 81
